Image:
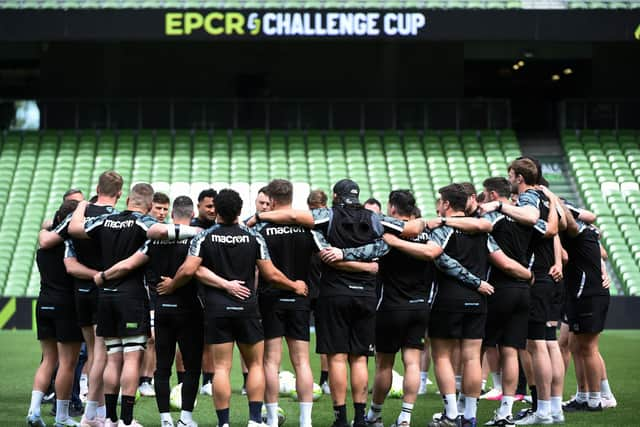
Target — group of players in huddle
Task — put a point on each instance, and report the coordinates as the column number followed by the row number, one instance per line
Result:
column 494, row 272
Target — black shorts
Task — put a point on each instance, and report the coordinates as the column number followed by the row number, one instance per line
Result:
column 537, row 331
column 551, row 333
column 400, row 329
column 346, row 324
column 557, row 302
column 280, row 322
column 87, row 305
column 57, row 322
column 243, row 330
column 457, row 325
column 508, row 317
column 122, row 316
column 587, row 315
column 542, row 294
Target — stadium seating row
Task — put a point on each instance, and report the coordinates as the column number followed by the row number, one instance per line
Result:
column 308, row 4
column 38, row 168
column 606, row 167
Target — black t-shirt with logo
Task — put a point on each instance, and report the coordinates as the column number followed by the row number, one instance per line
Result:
column 56, row 286
column 472, row 252
column 86, row 250
column 406, row 280
column 121, row 235
column 165, row 258
column 514, row 240
column 347, row 227
column 583, row 272
column 291, row 248
column 231, row 252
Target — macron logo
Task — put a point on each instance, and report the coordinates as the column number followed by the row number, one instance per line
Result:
column 231, row 240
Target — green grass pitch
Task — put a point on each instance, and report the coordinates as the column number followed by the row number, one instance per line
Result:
column 20, row 355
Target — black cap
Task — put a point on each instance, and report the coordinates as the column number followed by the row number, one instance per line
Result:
column 347, row 190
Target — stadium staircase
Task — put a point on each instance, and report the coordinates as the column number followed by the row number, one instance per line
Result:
column 556, row 170
column 606, row 166
column 36, row 168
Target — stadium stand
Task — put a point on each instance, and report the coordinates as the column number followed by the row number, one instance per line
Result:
column 38, row 168
column 606, row 166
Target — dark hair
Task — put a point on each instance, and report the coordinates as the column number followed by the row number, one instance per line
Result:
column 280, row 190
column 264, row 190
column 93, row 199
column 539, row 178
column 480, row 197
column 455, row 195
column 498, row 184
column 71, row 192
column 228, row 205
column 317, row 199
column 110, row 183
column 67, row 207
column 417, row 213
column 209, row 192
column 161, row 198
column 468, row 188
column 373, row 201
column 182, row 207
column 527, row 169
column 403, row 201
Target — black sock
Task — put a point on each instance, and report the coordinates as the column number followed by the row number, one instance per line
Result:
column 223, row 416
column 340, row 412
column 534, row 397
column 522, row 381
column 244, row 381
column 255, row 409
column 324, row 376
column 126, row 408
column 111, row 403
column 145, row 380
column 180, row 376
column 358, row 416
column 207, row 377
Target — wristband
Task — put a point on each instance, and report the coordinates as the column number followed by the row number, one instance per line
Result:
column 443, row 220
column 103, row 277
column 257, row 216
column 499, row 208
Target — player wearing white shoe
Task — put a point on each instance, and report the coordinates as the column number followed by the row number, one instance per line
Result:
column 224, row 257
column 109, row 190
column 58, row 332
column 285, row 314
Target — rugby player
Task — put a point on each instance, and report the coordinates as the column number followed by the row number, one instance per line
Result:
column 224, row 258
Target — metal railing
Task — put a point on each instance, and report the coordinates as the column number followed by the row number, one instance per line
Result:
column 599, row 114
column 269, row 114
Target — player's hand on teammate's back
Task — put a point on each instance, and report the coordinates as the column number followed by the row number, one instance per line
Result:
column 329, row 255
column 373, row 267
column 485, row 288
column 556, row 272
column 165, row 287
column 97, row 279
column 301, row 288
column 485, row 208
column 433, row 223
column 236, row 289
column 606, row 281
